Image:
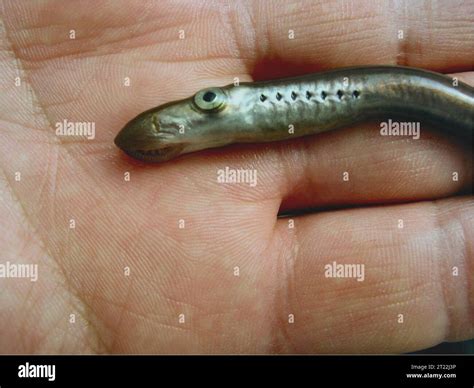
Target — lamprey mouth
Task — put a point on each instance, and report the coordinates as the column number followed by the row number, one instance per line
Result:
column 157, row 155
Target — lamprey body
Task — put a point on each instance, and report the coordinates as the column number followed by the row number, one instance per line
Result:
column 288, row 108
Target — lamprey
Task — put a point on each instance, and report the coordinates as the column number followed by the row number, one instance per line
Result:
column 257, row 112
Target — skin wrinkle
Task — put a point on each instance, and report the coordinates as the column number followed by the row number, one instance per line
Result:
column 26, row 301
column 443, row 288
column 94, row 50
column 123, row 308
column 401, row 56
column 452, row 331
column 75, row 294
column 146, row 316
column 276, row 344
column 469, row 266
column 282, row 300
column 261, row 47
column 43, row 246
column 439, row 260
column 234, row 22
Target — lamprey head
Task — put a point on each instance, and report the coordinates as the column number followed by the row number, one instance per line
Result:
column 179, row 127
column 143, row 139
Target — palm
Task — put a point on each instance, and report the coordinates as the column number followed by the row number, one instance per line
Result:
column 189, row 271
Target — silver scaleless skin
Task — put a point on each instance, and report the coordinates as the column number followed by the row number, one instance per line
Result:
column 258, row 112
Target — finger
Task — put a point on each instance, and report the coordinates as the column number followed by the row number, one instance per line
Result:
column 345, row 167
column 146, row 46
column 417, row 285
column 321, row 34
column 357, row 165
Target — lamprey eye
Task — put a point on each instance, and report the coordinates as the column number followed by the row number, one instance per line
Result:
column 209, row 96
column 211, row 99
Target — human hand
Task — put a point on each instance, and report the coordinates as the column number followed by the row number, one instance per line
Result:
column 171, row 260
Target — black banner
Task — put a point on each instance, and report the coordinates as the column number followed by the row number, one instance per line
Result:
column 383, row 371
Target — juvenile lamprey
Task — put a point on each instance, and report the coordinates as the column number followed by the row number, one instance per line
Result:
column 264, row 111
